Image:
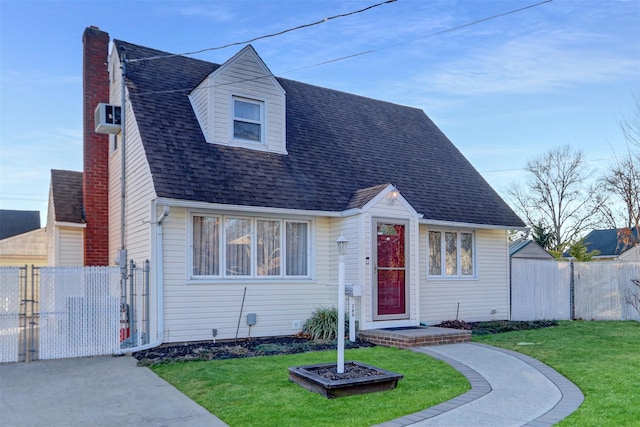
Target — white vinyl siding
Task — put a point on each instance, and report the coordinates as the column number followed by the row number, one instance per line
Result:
column 27, row 248
column 243, row 76
column 477, row 298
column 249, row 247
column 192, row 309
column 389, row 211
column 69, row 247
column 139, row 189
column 451, row 253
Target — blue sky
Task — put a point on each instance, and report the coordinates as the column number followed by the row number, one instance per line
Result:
column 503, row 90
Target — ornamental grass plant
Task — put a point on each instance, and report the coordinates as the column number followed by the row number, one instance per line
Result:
column 323, row 324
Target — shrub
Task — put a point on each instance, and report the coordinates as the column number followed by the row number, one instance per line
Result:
column 323, row 324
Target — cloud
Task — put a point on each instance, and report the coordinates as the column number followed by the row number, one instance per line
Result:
column 531, row 64
column 213, row 12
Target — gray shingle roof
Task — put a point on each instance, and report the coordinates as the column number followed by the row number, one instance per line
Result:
column 363, row 196
column 66, row 188
column 13, row 222
column 607, row 242
column 338, row 144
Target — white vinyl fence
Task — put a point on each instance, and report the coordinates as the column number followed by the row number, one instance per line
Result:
column 9, row 313
column 563, row 290
column 79, row 311
column 601, row 289
column 62, row 312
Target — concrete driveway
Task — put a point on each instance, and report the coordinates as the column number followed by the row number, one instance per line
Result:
column 95, row 391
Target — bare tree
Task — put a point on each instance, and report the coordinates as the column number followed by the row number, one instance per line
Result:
column 558, row 197
column 631, row 124
column 623, row 181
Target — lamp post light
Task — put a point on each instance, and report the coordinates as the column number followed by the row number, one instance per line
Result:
column 342, row 250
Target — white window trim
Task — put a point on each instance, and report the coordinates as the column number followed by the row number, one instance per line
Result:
column 474, row 252
column 253, row 277
column 263, row 122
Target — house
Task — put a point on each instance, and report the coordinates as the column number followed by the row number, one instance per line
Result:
column 13, row 222
column 65, row 220
column 22, row 241
column 524, row 248
column 621, row 244
column 238, row 183
column 28, row 248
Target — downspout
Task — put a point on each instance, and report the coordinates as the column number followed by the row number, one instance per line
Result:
column 159, row 274
column 159, row 286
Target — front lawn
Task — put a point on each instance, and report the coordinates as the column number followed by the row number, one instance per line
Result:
column 601, row 358
column 256, row 391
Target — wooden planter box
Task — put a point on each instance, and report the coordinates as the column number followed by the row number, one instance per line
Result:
column 376, row 379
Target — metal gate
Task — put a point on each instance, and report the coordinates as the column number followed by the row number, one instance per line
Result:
column 134, row 306
column 62, row 312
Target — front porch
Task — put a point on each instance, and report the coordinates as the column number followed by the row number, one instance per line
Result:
column 414, row 336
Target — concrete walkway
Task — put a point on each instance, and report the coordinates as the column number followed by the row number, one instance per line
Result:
column 94, row 391
column 508, row 389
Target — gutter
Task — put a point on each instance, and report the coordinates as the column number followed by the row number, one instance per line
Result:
column 471, row 225
column 159, row 285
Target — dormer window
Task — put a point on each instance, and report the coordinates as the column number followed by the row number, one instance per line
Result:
column 242, row 105
column 248, row 119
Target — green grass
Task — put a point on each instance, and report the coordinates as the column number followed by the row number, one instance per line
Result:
column 601, row 358
column 256, row 391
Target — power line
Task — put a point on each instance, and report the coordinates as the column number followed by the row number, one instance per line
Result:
column 299, row 27
column 524, row 169
column 437, row 33
column 447, row 30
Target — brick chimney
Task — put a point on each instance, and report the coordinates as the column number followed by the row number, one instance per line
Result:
column 95, row 179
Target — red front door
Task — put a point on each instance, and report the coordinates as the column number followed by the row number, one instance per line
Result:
column 390, row 271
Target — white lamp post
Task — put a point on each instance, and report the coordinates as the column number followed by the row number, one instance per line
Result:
column 342, row 250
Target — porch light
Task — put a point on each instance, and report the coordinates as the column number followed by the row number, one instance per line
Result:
column 342, row 250
column 342, row 245
column 393, row 196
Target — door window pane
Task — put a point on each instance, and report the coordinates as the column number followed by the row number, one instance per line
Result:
column 391, row 292
column 390, row 245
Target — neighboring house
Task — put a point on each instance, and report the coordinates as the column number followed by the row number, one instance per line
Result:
column 28, row 248
column 524, row 248
column 65, row 220
column 621, row 244
column 22, row 241
column 239, row 181
column 14, row 222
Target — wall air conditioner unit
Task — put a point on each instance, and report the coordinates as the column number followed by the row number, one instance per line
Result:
column 107, row 118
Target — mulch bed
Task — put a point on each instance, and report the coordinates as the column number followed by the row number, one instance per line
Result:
column 294, row 344
column 237, row 349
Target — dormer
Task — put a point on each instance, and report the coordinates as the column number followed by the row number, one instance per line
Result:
column 241, row 104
